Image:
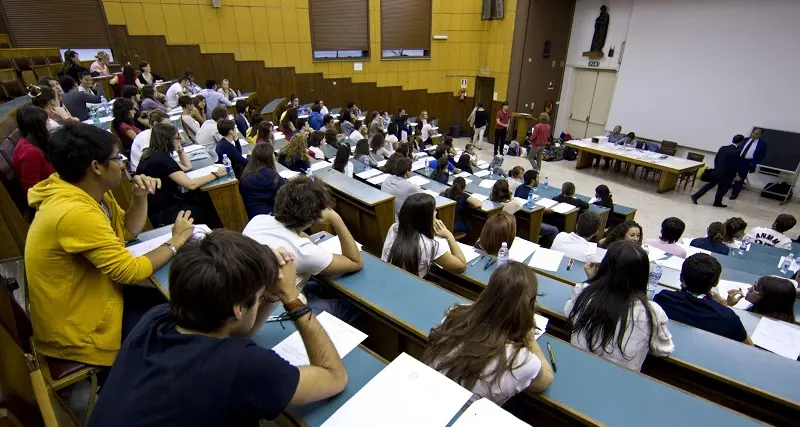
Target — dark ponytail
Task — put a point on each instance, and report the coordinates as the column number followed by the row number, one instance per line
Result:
column 716, row 232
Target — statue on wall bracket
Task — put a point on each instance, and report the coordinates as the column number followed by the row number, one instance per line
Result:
column 599, row 37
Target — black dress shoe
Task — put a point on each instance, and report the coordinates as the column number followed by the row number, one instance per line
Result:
column 733, row 197
column 694, row 199
column 719, row 205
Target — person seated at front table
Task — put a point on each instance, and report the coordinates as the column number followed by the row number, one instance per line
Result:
column 770, row 296
column 75, row 249
column 226, row 90
column 99, row 68
column 499, row 229
column 294, row 154
column 299, row 204
column 463, row 200
column 123, row 123
column 218, row 288
column 734, row 229
column 515, row 178
column 242, row 111
column 260, row 182
column 602, row 197
column 576, row 245
column 190, row 125
column 671, row 232
column 142, row 140
column 696, row 305
column 610, row 313
column 149, row 101
column 410, row 243
column 208, row 135
column 714, row 240
column 489, row 346
column 28, row 159
column 775, row 235
column 226, row 147
column 166, row 202
column 628, row 230
column 146, row 76
column 441, row 174
column 615, row 137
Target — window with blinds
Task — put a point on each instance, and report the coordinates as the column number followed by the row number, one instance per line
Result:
column 339, row 28
column 406, row 28
column 56, row 23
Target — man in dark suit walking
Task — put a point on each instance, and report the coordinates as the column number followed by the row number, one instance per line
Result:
column 751, row 154
column 726, row 165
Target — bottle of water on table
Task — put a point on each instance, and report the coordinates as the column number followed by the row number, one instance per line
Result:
column 529, row 205
column 228, row 166
column 787, row 263
column 93, row 115
column 502, row 254
column 310, row 174
column 652, row 281
column 106, row 107
column 545, row 183
column 744, row 245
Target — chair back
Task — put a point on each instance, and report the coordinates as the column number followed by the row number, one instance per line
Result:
column 697, row 157
column 14, row 319
column 8, row 176
column 669, row 147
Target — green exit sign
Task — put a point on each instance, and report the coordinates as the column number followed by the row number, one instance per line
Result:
column 594, row 63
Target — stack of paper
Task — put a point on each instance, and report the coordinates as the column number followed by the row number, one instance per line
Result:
column 334, row 245
column 479, row 197
column 725, row 286
column 319, row 165
column 654, row 253
column 546, row 259
column 562, row 208
column 468, row 251
column 487, row 183
column 375, row 180
column 369, row 173
column 203, row 171
column 673, row 262
column 482, row 173
column 521, row 249
column 405, row 393
column 288, row 174
column 147, row 246
column 419, row 164
column 484, row 413
column 345, row 338
column 546, row 203
column 464, row 174
column 418, row 180
column 778, row 337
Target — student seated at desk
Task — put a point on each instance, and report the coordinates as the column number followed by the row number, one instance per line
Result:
column 770, row 296
column 576, row 244
column 490, row 346
column 628, row 230
column 774, row 236
column 403, row 151
column 332, row 138
column 199, row 110
column 75, row 101
column 530, row 179
column 226, row 147
column 714, row 241
column 142, row 140
column 440, row 174
column 301, row 203
column 496, row 166
column 515, row 178
column 356, row 134
column 567, row 195
column 123, row 123
column 347, row 123
column 149, row 101
column 329, row 123
column 610, row 313
column 190, row 125
column 166, row 202
column 208, row 135
column 671, row 232
column 501, row 194
column 410, row 244
column 464, row 163
column 391, row 137
column 252, row 133
column 499, row 229
column 193, row 362
column 315, row 117
column 734, row 229
column 342, row 161
column 242, row 111
column 288, row 122
column 28, row 159
column 361, row 154
column 696, row 305
column 260, row 182
column 602, row 197
column 75, row 249
column 397, row 184
column 379, row 147
column 294, row 154
column 463, row 200
column 265, row 133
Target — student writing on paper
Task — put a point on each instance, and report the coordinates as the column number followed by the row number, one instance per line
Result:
column 342, row 161
column 488, row 347
column 714, row 241
column 260, row 182
column 410, row 242
column 696, row 305
column 398, row 186
column 463, row 201
column 299, row 204
column 294, row 154
column 499, row 229
column 166, row 202
column 75, row 249
column 195, row 353
column 671, row 232
column 610, row 313
column 775, row 235
column 628, row 230
column 576, row 244
column 734, row 229
column 771, row 296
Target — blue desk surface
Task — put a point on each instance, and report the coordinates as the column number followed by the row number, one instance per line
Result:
column 354, row 188
column 269, row 108
column 359, row 167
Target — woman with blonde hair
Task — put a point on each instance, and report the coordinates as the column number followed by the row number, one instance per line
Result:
column 99, row 68
column 294, row 154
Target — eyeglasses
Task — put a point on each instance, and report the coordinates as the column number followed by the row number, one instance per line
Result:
column 119, row 157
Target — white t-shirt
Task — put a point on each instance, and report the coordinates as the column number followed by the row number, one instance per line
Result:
column 356, row 135
column 173, row 93
column 573, row 246
column 425, row 131
column 429, row 249
column 390, row 139
column 208, row 136
column 513, row 184
column 636, row 335
column 141, row 142
column 323, row 111
column 769, row 237
column 348, row 169
column 512, row 382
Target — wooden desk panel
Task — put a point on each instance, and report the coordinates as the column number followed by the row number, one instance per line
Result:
column 228, row 203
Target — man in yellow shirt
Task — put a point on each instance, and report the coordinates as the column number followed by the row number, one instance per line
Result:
column 75, row 256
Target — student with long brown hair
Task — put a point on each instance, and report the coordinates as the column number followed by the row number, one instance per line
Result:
column 342, row 161
column 499, row 229
column 771, row 296
column 501, row 193
column 489, row 346
column 463, row 200
column 260, row 182
column 265, row 133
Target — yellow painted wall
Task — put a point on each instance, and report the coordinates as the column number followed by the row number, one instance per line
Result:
column 277, row 32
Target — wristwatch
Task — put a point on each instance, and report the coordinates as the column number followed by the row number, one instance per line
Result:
column 293, row 305
column 171, row 247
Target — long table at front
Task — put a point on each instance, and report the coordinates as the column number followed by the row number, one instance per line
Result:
column 670, row 168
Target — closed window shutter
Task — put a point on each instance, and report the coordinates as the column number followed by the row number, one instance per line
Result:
column 56, row 23
column 339, row 24
column 405, row 24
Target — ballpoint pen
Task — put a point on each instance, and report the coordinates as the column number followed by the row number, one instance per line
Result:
column 477, row 260
column 552, row 358
column 569, row 264
column 489, row 264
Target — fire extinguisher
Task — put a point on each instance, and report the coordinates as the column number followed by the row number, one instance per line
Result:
column 462, row 94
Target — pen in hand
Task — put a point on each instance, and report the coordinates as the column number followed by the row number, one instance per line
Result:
column 552, row 358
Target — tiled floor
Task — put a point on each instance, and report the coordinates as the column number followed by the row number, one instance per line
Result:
column 652, row 207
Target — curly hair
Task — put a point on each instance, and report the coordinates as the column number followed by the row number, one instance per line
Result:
column 296, row 147
column 300, row 202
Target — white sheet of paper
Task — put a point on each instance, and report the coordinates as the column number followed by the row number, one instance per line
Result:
column 468, row 251
column 546, row 259
column 369, row 173
column 420, row 154
column 687, row 240
column 487, row 183
column 382, row 163
column 480, row 197
column 192, row 148
column 334, row 246
column 431, row 192
column 375, row 180
column 288, row 173
column 598, row 256
column 481, row 174
column 777, row 337
column 483, row 413
column 203, row 171
column 428, row 398
column 541, row 325
column 319, row 165
column 562, row 208
column 546, row 203
column 673, row 262
column 521, row 201
column 140, row 249
column 691, row 250
column 318, row 154
column 345, row 338
column 655, row 253
column 482, row 164
column 419, row 164
column 725, row 286
column 418, row 180
column 521, row 249
column 464, row 174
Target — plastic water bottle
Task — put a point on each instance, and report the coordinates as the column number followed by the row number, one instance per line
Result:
column 239, row 93
column 309, row 174
column 228, row 166
column 655, row 276
column 787, row 262
column 106, row 108
column 529, row 205
column 93, row 115
column 743, row 246
column 502, row 254
column 545, row 183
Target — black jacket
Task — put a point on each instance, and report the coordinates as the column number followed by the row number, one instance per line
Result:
column 726, row 162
